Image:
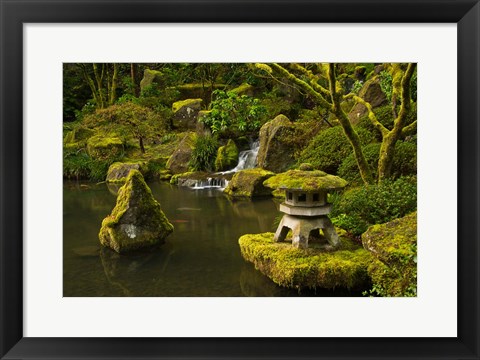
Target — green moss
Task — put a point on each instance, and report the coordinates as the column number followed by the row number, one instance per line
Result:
column 137, row 220
column 243, row 89
column 249, row 183
column 404, row 161
column 330, row 147
column 118, row 171
column 104, row 146
column 308, row 181
column 227, row 156
column 195, row 103
column 394, row 245
column 307, row 268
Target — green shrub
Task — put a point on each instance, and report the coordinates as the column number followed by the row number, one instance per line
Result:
column 384, row 115
column 234, row 113
column 330, row 147
column 358, row 208
column 204, row 154
column 78, row 165
column 404, row 161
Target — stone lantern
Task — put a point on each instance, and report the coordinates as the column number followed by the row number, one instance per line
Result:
column 305, row 205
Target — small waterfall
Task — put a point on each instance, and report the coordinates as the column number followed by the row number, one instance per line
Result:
column 211, row 183
column 246, row 159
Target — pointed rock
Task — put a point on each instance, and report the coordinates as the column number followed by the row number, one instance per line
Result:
column 137, row 221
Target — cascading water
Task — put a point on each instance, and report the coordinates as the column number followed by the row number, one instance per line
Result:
column 246, row 160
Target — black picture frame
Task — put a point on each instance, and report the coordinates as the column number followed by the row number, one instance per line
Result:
column 14, row 13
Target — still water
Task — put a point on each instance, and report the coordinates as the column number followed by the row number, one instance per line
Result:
column 200, row 258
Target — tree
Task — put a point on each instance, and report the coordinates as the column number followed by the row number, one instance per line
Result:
column 332, row 97
column 103, row 82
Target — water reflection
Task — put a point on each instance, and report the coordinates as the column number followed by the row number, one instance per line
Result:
column 200, row 258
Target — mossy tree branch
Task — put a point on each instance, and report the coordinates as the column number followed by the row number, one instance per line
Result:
column 387, row 148
column 301, row 84
column 371, row 115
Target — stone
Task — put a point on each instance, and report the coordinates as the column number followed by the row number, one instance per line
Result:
column 118, row 172
column 249, row 183
column 151, row 77
column 277, row 150
column 393, row 246
column 315, row 267
column 303, row 228
column 372, row 93
column 244, row 89
column 185, row 113
column 105, row 147
column 178, row 161
column 137, row 220
column 227, row 156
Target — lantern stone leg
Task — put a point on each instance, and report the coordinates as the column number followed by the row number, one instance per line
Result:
column 303, row 227
column 330, row 233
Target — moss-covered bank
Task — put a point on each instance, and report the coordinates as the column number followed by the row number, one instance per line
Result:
column 394, row 247
column 308, row 268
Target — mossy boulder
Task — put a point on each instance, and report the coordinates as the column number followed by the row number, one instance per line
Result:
column 372, row 93
column 185, row 113
column 105, row 147
column 394, row 248
column 178, row 161
column 227, row 156
column 313, row 267
column 151, row 78
column 189, row 178
column 137, row 221
column 118, row 171
column 78, row 133
column 308, row 181
column 244, row 89
column 249, row 183
column 277, row 144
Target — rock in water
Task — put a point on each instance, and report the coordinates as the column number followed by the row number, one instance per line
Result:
column 137, row 221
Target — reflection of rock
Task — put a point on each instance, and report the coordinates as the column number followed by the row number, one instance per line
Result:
column 87, row 251
column 254, row 283
column 130, row 272
column 113, row 188
column 137, row 221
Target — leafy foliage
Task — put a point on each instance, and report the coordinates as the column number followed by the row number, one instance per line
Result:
column 204, row 153
column 234, row 112
column 330, row 147
column 361, row 207
column 404, row 161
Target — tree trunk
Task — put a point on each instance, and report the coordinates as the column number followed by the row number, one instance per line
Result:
column 140, row 142
column 134, row 76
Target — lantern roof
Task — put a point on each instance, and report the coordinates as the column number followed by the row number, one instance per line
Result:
column 308, row 181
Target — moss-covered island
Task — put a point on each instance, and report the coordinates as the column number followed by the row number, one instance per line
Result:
column 311, row 268
column 137, row 221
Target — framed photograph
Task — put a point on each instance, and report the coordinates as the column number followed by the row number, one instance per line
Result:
column 134, row 84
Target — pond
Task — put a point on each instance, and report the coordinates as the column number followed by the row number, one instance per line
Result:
column 200, row 258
